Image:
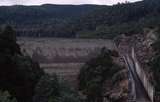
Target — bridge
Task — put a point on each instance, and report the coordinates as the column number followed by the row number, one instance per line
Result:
column 140, row 89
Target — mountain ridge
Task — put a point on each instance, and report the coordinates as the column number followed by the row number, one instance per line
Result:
column 85, row 21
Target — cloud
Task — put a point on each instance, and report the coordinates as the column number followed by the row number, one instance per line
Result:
column 38, row 2
column 12, row 2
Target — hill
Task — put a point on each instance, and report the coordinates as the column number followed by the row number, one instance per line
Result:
column 82, row 21
column 127, row 18
column 19, row 14
column 31, row 20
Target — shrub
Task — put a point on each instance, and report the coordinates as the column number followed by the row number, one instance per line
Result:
column 18, row 73
column 6, row 97
column 50, row 89
column 94, row 73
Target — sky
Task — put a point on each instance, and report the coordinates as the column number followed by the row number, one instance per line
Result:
column 76, row 2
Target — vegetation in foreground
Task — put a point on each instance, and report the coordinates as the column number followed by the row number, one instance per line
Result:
column 22, row 80
column 95, row 73
column 155, row 63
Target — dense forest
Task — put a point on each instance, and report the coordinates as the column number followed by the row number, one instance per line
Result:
column 86, row 21
column 57, row 20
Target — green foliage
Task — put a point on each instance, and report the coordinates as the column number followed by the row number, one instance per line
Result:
column 8, row 41
column 57, row 20
column 50, row 89
column 129, row 18
column 66, row 97
column 6, row 97
column 68, row 94
column 155, row 63
column 18, row 73
column 22, row 77
column 9, row 34
column 94, row 73
column 87, row 21
column 156, row 71
column 26, row 74
column 46, row 88
column 156, row 45
column 110, row 32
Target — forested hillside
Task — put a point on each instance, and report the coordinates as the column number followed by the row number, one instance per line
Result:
column 44, row 20
column 81, row 20
column 127, row 18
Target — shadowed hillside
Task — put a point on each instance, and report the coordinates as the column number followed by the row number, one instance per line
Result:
column 81, row 21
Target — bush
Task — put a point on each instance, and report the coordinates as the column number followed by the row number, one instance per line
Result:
column 6, row 97
column 50, row 89
column 94, row 73
column 18, row 73
column 47, row 88
column 26, row 75
column 155, row 62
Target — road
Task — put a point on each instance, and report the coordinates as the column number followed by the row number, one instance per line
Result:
column 136, row 86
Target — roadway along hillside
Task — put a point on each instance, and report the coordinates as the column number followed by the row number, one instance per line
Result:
column 140, row 92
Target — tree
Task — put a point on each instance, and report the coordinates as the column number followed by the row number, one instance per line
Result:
column 9, row 34
column 51, row 89
column 155, row 63
column 6, row 97
column 48, row 87
column 94, row 73
column 8, row 41
column 18, row 73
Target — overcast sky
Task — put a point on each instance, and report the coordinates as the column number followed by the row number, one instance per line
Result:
column 39, row 2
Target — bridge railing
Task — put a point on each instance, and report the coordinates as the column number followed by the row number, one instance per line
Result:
column 141, row 74
column 131, row 83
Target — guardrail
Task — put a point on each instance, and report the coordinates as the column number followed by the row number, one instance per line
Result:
column 131, row 83
column 141, row 74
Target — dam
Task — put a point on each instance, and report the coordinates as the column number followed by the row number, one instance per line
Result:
column 64, row 57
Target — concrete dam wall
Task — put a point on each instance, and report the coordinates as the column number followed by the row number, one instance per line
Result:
column 64, row 57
